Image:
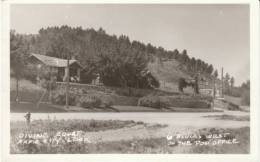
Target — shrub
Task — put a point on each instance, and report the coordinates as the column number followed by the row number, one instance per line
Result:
column 245, row 100
column 124, row 101
column 152, row 101
column 89, row 101
column 175, row 101
column 106, row 102
column 201, row 97
column 123, row 91
column 182, row 84
column 232, row 106
column 48, row 84
column 30, row 73
column 59, row 98
column 99, row 99
column 235, row 92
column 133, row 92
column 188, row 102
column 77, row 97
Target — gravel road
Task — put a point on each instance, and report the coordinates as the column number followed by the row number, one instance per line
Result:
column 172, row 119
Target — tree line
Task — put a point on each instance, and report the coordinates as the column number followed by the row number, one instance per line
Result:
column 118, row 61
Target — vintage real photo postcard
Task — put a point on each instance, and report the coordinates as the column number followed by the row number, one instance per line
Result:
column 135, row 79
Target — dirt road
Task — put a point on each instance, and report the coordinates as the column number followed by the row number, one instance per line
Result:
column 171, row 119
column 177, row 122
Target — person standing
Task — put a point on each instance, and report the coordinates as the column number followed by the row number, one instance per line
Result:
column 28, row 118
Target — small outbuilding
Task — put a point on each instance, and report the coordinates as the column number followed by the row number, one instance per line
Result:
column 59, row 66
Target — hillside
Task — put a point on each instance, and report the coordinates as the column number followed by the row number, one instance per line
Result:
column 119, row 61
column 168, row 73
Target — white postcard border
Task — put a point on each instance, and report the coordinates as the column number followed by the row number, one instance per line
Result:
column 254, row 78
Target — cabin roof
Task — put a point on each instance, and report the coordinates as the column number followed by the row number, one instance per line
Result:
column 53, row 61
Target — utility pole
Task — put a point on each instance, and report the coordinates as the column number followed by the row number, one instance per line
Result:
column 222, row 88
column 67, row 82
column 214, row 87
column 214, row 92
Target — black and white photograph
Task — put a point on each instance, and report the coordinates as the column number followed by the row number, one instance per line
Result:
column 129, row 78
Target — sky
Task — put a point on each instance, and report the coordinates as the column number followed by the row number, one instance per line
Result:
column 217, row 34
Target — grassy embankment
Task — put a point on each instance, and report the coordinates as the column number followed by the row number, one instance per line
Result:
column 30, row 93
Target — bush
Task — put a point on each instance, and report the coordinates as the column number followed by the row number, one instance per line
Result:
column 97, row 99
column 235, row 92
column 152, row 101
column 233, row 107
column 59, row 98
column 188, row 102
column 30, row 73
column 106, row 102
column 182, row 84
column 245, row 100
column 89, row 101
column 201, row 97
column 79, row 98
column 175, row 101
column 132, row 92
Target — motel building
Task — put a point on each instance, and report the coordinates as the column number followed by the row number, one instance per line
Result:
column 58, row 66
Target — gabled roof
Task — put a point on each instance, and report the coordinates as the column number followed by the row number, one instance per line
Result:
column 54, row 61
